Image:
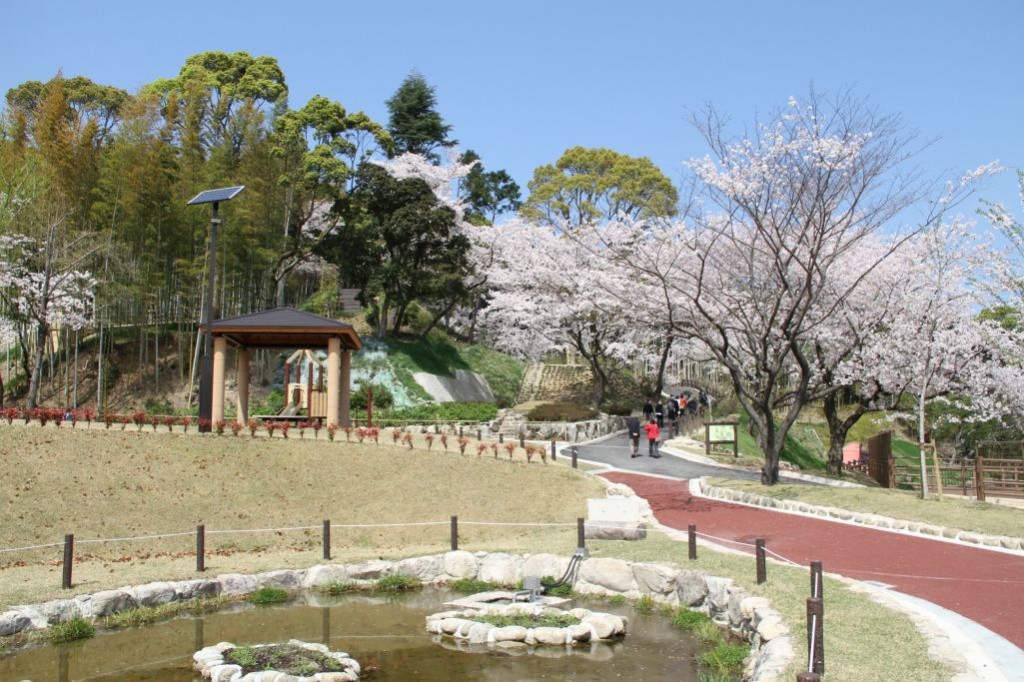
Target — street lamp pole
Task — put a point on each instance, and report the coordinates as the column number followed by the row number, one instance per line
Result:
column 212, row 196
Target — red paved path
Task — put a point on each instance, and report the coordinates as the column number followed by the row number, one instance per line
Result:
column 984, row 586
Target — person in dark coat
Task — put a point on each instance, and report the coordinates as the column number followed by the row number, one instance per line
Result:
column 648, row 411
column 633, row 425
column 659, row 413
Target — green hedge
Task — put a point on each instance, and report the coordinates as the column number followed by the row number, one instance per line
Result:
column 455, row 412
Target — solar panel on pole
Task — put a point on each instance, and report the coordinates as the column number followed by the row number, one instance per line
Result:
column 214, row 195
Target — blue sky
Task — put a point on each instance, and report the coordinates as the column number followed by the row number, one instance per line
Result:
column 522, row 81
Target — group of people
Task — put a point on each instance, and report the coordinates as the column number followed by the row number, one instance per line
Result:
column 654, row 417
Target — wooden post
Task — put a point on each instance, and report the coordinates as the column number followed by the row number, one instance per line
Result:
column 815, row 634
column 979, row 479
column 369, row 407
column 455, row 532
column 327, row 538
column 817, row 585
column 200, row 548
column 501, row 437
column 581, row 533
column 309, row 387
column 575, row 455
column 762, row 573
column 287, row 380
column 479, row 434
column 707, row 439
column 553, row 455
column 691, row 532
column 69, row 560
column 522, row 441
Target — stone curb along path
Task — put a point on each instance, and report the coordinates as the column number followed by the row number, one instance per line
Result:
column 728, row 604
column 702, row 488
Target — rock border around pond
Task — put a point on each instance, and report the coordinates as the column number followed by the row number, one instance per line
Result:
column 732, row 607
column 465, row 624
column 211, row 664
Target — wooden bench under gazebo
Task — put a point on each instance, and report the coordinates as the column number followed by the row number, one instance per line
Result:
column 285, row 328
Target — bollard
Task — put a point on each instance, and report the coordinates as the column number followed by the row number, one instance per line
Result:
column 553, row 455
column 327, row 538
column 522, row 441
column 816, row 635
column 460, row 430
column 817, row 586
column 762, row 572
column 200, row 548
column 581, row 533
column 479, row 434
column 691, row 531
column 501, row 438
column 69, row 559
column 575, row 454
column 455, row 532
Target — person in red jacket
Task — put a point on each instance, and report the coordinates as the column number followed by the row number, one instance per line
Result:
column 653, row 434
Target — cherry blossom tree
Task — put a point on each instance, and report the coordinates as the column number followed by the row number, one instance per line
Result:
column 42, row 288
column 752, row 272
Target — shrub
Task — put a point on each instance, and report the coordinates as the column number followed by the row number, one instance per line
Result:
column 398, row 582
column 471, row 586
column 204, row 424
column 618, row 409
column 268, row 595
column 338, row 587
column 317, row 425
column 430, row 440
column 561, row 412
column 396, row 435
column 444, row 441
column 236, row 427
column 254, row 426
column 463, row 442
column 407, row 439
column 382, row 397
column 109, row 419
column 270, row 427
column 374, row 435
column 481, row 448
column 68, row 631
column 360, row 434
column 139, row 418
column 155, row 422
column 219, row 426
column 283, row 428
column 332, row 429
column 169, row 423
column 185, row 423
column 510, row 448
column 645, row 604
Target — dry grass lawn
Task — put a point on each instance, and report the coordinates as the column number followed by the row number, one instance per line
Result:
column 950, row 512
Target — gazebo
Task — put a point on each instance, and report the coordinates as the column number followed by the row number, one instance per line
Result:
column 285, row 328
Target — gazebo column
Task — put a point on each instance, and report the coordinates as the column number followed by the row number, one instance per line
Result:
column 243, row 385
column 333, row 379
column 346, row 386
column 220, row 346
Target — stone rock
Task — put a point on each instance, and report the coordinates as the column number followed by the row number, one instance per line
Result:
column 612, row 574
column 654, row 578
column 370, row 570
column 460, row 564
column 580, row 632
column 112, row 601
column 155, row 594
column 614, row 530
column 691, row 588
column 325, row 574
column 718, row 592
column 511, row 633
column 12, row 622
column 545, row 635
column 752, row 605
column 478, row 632
column 223, row 673
column 770, row 626
column 972, row 538
column 425, row 568
column 450, row 626
column 512, row 646
column 772, row 659
column 500, row 568
column 736, row 597
column 236, row 583
column 60, row 610
column 605, row 626
column 284, row 579
column 544, row 566
column 197, row 589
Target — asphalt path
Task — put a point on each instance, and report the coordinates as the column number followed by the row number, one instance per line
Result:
column 615, row 451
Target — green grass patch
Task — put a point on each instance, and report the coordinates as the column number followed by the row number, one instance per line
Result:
column 645, row 604
column 268, row 595
column 792, row 450
column 725, row 658
column 472, row 586
column 397, row 582
column 561, row 412
column 284, row 658
column 687, row 619
column 543, row 620
column 151, row 614
column 949, row 512
column 69, row 631
column 339, row 587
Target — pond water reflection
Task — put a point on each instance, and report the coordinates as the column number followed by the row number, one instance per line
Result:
column 385, row 634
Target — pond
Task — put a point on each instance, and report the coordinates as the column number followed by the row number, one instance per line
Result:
column 385, row 634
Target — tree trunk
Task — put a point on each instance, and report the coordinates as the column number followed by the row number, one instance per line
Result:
column 660, row 384
column 42, row 332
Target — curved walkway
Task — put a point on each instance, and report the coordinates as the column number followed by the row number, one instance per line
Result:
column 983, row 585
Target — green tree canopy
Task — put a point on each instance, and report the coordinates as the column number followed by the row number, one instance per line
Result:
column 488, row 193
column 587, row 185
column 413, row 120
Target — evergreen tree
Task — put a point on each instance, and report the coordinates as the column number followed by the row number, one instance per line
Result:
column 413, row 121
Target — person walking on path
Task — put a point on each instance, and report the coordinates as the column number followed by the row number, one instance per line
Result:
column 672, row 412
column 633, row 425
column 659, row 412
column 653, row 434
column 648, row 410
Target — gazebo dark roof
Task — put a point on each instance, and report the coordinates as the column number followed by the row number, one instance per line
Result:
column 285, row 328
